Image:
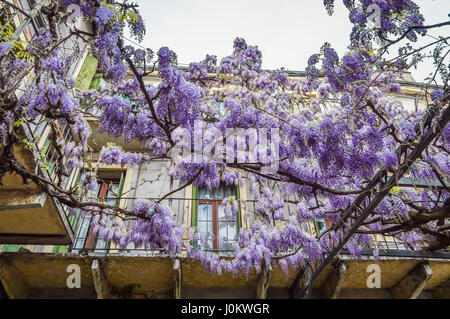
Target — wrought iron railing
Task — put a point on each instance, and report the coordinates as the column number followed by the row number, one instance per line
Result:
column 24, row 16
column 48, row 155
column 182, row 206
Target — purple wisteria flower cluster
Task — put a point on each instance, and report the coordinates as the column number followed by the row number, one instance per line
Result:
column 337, row 127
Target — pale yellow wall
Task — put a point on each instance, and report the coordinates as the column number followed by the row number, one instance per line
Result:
column 243, row 196
column 187, row 211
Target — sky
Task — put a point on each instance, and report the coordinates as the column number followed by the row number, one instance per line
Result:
column 286, row 31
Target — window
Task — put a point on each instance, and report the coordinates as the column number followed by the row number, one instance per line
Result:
column 74, row 218
column 321, row 225
column 11, row 248
column 211, row 220
column 108, row 191
column 38, row 19
column 49, row 153
column 133, row 102
column 220, row 112
column 95, row 84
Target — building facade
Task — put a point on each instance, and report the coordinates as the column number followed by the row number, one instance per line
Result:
column 43, row 242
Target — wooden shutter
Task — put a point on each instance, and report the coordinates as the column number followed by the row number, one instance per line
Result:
column 87, row 73
column 238, row 214
column 121, row 182
column 194, row 206
column 11, row 248
column 95, row 83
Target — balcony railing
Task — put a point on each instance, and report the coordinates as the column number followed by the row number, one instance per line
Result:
column 45, row 151
column 92, row 111
column 24, row 16
column 183, row 206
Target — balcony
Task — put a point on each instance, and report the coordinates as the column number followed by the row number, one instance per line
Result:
column 97, row 140
column 182, row 208
column 27, row 215
column 152, row 273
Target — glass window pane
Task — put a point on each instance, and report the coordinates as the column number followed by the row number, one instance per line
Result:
column 113, row 189
column 229, row 245
column 223, row 216
column 223, row 232
column 230, row 190
column 228, row 234
column 94, row 193
column 222, row 192
column 221, row 212
column 225, row 191
column 82, row 233
column 222, row 109
column 204, row 193
column 100, row 246
column 321, row 225
column 203, row 227
column 205, row 212
column 232, row 230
